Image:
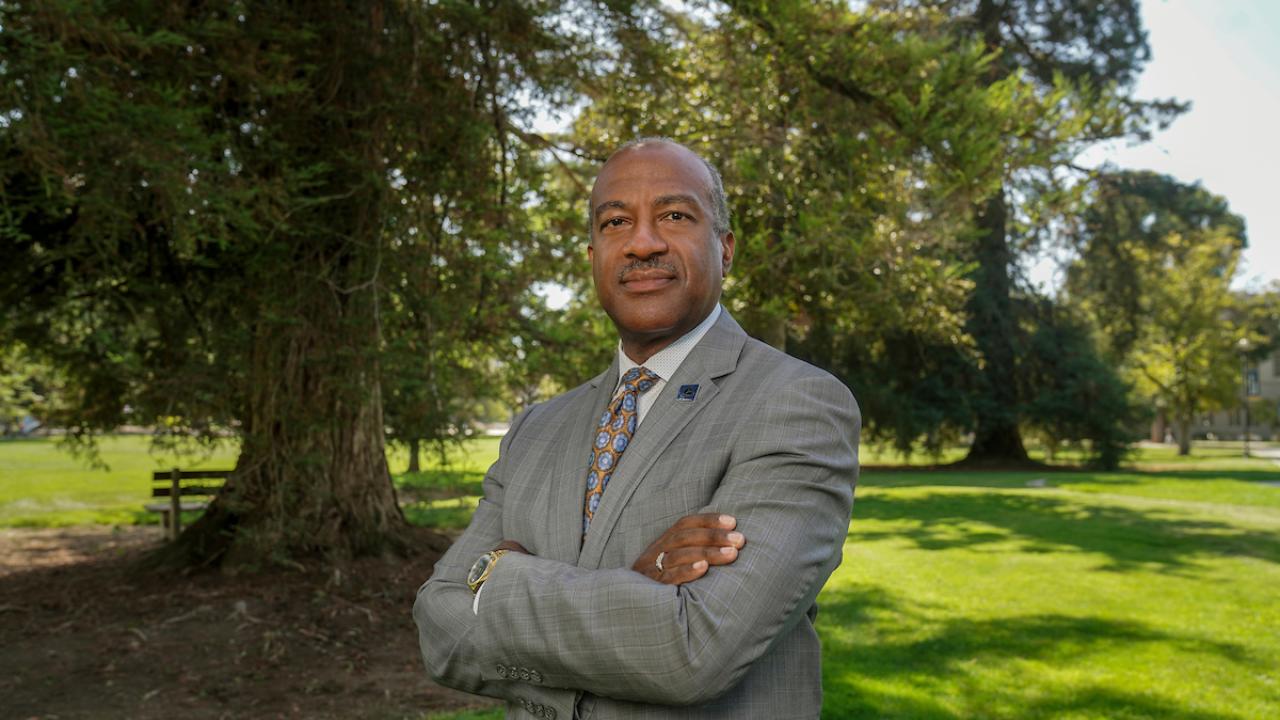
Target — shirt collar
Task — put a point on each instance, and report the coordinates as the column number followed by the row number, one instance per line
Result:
column 666, row 361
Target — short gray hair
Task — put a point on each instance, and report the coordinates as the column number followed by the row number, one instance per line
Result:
column 719, row 201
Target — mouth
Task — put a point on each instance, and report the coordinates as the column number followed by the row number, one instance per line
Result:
column 647, row 280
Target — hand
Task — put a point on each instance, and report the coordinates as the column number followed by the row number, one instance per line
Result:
column 691, row 546
column 513, row 546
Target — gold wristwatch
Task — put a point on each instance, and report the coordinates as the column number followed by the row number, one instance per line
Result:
column 482, row 569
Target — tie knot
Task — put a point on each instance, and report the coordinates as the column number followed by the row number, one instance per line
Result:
column 639, row 379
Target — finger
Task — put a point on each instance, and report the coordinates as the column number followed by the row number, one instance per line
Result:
column 706, row 520
column 703, row 537
column 684, row 573
column 709, row 555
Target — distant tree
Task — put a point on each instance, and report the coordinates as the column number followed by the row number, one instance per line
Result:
column 1128, row 212
column 30, row 392
column 1155, row 261
column 1073, row 395
column 1088, row 54
column 1185, row 355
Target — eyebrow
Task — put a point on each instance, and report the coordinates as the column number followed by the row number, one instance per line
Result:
column 609, row 204
column 665, row 200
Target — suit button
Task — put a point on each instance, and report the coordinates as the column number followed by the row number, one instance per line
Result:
column 551, row 713
column 502, row 671
column 535, row 676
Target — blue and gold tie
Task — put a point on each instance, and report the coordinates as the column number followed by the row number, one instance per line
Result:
column 613, row 434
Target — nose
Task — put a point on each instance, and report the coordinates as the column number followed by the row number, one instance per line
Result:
column 645, row 241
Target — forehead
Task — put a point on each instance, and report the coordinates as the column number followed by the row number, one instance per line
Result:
column 656, row 168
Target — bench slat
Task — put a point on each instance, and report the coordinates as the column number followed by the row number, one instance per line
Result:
column 166, row 507
column 186, row 490
column 190, row 474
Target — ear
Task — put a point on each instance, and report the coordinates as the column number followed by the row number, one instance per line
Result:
column 727, row 245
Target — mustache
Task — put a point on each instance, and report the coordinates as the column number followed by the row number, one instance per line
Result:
column 650, row 264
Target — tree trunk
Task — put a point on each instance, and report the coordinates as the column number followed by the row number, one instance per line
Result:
column 414, row 450
column 1184, row 436
column 312, row 477
column 1159, row 426
column 991, row 322
column 993, row 326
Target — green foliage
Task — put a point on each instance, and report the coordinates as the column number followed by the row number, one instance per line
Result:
column 1074, row 396
column 1130, row 213
column 1156, row 262
column 30, row 392
column 1185, row 357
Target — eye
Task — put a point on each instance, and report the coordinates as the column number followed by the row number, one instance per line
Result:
column 612, row 222
column 677, row 216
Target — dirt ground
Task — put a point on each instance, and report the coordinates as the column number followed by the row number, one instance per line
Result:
column 82, row 636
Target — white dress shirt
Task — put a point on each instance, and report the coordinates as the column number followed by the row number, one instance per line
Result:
column 663, row 363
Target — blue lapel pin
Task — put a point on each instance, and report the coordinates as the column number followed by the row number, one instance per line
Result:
column 687, row 392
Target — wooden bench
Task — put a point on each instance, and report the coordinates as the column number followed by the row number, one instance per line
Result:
column 169, row 484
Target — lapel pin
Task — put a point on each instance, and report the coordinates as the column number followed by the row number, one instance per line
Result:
column 687, row 392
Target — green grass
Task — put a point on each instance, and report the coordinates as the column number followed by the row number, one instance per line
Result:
column 42, row 485
column 445, row 493
column 1153, row 592
column 1099, row 595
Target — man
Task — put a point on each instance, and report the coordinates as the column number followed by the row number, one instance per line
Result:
column 650, row 543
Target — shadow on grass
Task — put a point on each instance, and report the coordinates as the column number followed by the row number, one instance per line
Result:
column 915, row 477
column 1127, row 538
column 897, row 675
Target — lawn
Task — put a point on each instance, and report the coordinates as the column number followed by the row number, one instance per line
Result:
column 1147, row 593
column 42, row 485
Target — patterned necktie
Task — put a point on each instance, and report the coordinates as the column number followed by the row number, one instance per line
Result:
column 613, row 434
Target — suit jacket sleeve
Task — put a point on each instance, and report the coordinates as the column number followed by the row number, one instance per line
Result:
column 619, row 634
column 447, row 626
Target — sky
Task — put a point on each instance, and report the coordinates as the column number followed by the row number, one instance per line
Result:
column 1224, row 57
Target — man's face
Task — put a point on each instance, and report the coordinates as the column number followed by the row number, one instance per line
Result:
column 656, row 260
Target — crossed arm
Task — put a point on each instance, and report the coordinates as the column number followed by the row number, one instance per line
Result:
column 689, row 633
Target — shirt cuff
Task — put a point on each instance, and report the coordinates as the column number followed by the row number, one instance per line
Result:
column 475, row 601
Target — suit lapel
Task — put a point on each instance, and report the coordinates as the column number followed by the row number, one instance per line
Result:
column 715, row 356
column 569, row 481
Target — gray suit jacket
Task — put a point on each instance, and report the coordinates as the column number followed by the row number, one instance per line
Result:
column 768, row 439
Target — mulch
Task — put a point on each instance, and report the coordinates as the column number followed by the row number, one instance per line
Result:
column 85, row 635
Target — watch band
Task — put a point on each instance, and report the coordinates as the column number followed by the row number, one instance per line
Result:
column 482, row 569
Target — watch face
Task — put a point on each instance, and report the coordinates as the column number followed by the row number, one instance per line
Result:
column 477, row 570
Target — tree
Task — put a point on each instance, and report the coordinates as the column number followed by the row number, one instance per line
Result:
column 1090, row 53
column 30, row 393
column 856, row 144
column 200, row 214
column 1154, row 265
column 1185, row 356
column 1074, row 395
column 1128, row 212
